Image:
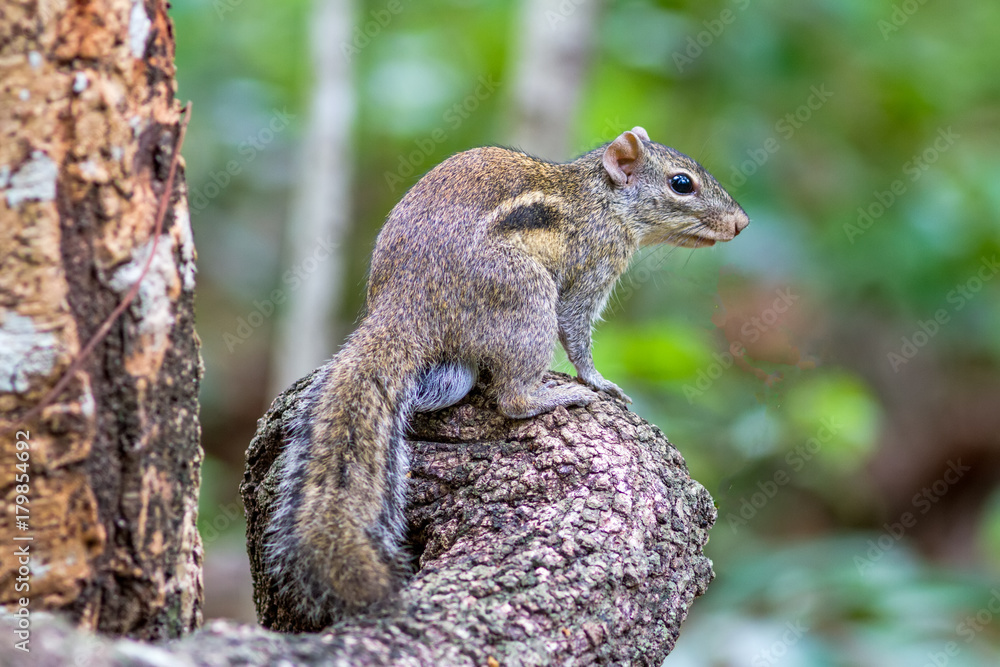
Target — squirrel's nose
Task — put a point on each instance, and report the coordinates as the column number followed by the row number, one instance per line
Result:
column 740, row 223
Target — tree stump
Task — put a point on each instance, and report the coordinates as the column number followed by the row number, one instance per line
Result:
column 573, row 537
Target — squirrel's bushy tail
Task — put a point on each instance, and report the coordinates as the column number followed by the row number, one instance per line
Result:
column 332, row 544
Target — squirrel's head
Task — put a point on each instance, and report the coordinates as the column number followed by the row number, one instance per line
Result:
column 667, row 196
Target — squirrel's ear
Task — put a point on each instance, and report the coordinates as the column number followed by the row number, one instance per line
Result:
column 641, row 133
column 622, row 155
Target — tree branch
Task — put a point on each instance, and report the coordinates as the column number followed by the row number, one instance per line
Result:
column 572, row 538
column 574, row 534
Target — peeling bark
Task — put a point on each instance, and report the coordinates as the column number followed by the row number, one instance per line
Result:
column 88, row 126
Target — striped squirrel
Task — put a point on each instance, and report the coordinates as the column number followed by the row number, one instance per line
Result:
column 489, row 257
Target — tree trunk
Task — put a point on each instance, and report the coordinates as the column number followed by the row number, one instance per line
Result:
column 102, row 513
column 318, row 223
column 555, row 40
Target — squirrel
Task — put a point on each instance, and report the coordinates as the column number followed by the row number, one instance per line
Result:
column 484, row 262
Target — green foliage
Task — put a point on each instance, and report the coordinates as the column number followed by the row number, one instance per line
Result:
column 653, row 352
column 828, row 602
column 862, row 140
column 842, row 404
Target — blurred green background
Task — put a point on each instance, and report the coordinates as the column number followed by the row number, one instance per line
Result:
column 831, row 376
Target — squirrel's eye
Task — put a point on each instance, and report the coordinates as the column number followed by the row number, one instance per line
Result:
column 681, row 184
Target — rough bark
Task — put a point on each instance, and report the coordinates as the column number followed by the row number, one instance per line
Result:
column 88, row 126
column 573, row 538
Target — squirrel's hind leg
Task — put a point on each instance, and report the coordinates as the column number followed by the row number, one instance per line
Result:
column 517, row 368
column 523, row 402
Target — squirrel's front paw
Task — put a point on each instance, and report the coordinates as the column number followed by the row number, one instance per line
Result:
column 597, row 381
